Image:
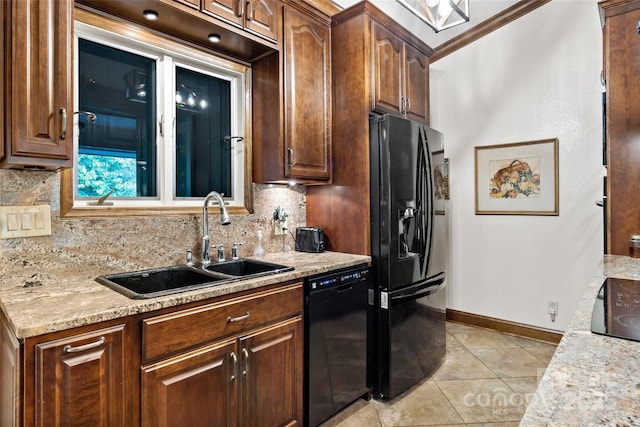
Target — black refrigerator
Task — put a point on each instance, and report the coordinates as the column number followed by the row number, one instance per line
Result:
column 409, row 253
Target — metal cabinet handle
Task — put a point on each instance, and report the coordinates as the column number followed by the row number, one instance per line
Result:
column 249, row 11
column 238, row 319
column 78, row 349
column 245, row 353
column 234, row 359
column 291, row 156
column 63, row 127
column 408, row 103
column 239, row 9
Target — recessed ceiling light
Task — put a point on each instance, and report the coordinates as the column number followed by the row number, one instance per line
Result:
column 214, row 38
column 151, row 15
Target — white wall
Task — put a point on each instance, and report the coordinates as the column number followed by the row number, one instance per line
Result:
column 535, row 78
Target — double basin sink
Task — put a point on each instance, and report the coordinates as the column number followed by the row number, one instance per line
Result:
column 168, row 280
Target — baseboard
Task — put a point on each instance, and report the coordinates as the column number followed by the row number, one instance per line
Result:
column 504, row 326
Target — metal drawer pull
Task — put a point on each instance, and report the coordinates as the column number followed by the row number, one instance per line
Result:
column 245, row 353
column 72, row 349
column 238, row 319
column 239, row 8
column 235, row 365
column 63, row 120
column 291, row 157
column 249, row 12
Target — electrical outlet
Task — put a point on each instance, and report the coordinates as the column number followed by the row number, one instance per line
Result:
column 278, row 228
column 552, row 309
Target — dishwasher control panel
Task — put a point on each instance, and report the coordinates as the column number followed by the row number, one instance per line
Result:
column 337, row 279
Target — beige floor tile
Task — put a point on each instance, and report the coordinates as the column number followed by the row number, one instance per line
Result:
column 359, row 414
column 423, row 405
column 543, row 353
column 526, row 386
column 462, row 365
column 530, row 343
column 453, row 344
column 476, row 338
column 484, row 401
column 511, row 362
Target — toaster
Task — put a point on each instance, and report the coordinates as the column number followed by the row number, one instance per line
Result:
column 309, row 239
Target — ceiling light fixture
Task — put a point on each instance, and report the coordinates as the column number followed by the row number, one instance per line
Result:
column 214, row 38
column 150, row 15
column 439, row 14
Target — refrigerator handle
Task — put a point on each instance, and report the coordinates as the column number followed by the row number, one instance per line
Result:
column 425, row 193
column 421, row 289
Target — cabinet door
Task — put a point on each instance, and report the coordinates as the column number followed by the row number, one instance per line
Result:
column 262, row 17
column 40, row 109
column 387, row 70
column 229, row 10
column 2, row 77
column 271, row 364
column 195, row 4
column 9, row 374
column 79, row 381
column 416, row 84
column 307, row 97
column 623, row 127
column 193, row 389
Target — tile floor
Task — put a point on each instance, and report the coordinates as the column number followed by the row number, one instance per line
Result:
column 487, row 379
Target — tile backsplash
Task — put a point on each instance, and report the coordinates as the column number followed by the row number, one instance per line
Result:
column 148, row 240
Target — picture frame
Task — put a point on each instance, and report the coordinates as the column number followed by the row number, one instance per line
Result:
column 517, row 179
column 440, row 181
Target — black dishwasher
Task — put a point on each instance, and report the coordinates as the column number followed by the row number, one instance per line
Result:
column 335, row 341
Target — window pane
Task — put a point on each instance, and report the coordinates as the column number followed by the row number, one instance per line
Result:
column 203, row 158
column 117, row 151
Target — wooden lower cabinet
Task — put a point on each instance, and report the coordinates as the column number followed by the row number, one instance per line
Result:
column 250, row 380
column 232, row 361
column 79, row 380
column 271, row 371
column 188, row 389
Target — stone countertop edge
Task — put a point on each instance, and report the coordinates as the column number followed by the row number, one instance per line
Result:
column 66, row 298
column 592, row 380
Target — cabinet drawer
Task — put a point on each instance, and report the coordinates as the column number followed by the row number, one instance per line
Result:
column 173, row 332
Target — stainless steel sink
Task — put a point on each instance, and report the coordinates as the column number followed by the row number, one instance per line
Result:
column 247, row 268
column 161, row 281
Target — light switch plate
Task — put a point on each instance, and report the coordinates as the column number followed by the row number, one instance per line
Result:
column 25, row 221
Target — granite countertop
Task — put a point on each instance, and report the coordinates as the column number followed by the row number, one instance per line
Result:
column 592, row 380
column 61, row 293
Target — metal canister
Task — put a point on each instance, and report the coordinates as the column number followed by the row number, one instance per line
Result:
column 634, row 245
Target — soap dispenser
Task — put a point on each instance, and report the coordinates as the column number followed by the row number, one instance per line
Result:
column 258, row 252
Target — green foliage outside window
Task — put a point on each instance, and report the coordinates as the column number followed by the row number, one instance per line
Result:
column 97, row 175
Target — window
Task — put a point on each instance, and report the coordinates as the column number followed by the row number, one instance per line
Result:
column 157, row 125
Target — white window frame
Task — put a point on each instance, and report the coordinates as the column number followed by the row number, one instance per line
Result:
column 168, row 56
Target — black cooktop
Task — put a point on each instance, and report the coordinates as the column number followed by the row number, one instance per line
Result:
column 616, row 312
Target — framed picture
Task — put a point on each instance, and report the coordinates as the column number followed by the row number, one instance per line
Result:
column 517, row 179
column 440, row 181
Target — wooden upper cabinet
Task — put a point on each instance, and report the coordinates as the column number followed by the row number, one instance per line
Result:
column 292, row 103
column 39, row 102
column 416, row 68
column 260, row 17
column 401, row 76
column 307, row 71
column 80, row 380
column 2, row 79
column 388, row 70
column 622, row 71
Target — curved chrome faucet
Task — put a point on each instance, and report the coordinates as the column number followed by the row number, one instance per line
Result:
column 225, row 219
